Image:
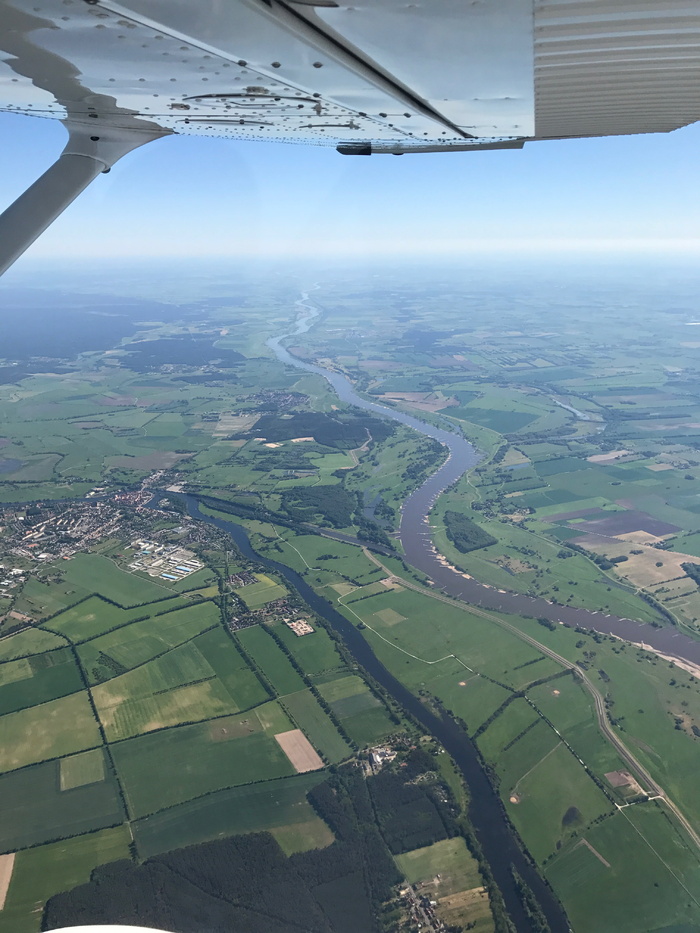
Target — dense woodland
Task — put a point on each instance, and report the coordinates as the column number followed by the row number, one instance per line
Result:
column 247, row 883
column 314, row 503
column 344, row 431
column 465, row 534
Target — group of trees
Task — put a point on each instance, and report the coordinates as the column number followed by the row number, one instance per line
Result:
column 247, row 883
column 344, row 431
column 309, row 503
column 465, row 534
column 412, row 813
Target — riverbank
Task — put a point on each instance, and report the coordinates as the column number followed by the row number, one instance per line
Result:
column 486, row 814
column 417, row 543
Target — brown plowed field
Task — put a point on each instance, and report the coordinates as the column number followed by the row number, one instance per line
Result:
column 7, row 863
column 299, row 750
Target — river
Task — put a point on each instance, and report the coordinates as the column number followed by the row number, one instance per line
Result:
column 486, row 812
column 415, row 533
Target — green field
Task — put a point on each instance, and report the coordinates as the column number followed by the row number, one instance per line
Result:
column 35, row 680
column 525, row 754
column 124, row 713
column 448, row 873
column 556, row 798
column 305, row 552
column 50, row 730
column 316, row 654
column 264, row 591
column 506, row 728
column 95, row 616
column 12, row 671
column 39, row 599
column 35, row 809
column 30, row 641
column 98, row 574
column 82, row 769
column 363, row 715
column 644, row 875
column 174, row 765
column 138, row 642
column 271, row 660
column 41, row 872
column 318, row 728
column 219, row 650
column 448, row 858
column 279, row 806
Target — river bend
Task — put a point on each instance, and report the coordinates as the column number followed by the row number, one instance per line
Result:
column 415, row 533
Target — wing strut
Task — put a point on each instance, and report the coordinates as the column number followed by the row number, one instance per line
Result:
column 90, row 151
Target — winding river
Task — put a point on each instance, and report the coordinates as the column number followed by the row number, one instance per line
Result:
column 415, row 533
column 486, row 813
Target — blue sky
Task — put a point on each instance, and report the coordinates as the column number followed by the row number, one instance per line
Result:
column 184, row 196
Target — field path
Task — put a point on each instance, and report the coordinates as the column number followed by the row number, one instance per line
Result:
column 7, row 863
column 586, row 843
column 536, row 765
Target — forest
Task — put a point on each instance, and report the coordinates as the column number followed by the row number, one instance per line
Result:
column 247, row 883
column 344, row 431
column 313, row 503
column 465, row 534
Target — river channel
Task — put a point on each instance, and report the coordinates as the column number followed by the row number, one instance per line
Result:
column 486, row 813
column 415, row 533
column 485, row 809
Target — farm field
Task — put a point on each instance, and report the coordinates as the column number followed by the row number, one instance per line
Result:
column 316, row 725
column 553, row 801
column 50, row 730
column 97, row 574
column 271, row 660
column 31, row 681
column 315, row 654
column 363, row 716
column 154, row 777
column 95, row 616
column 658, row 888
column 279, row 806
column 46, row 870
column 28, row 642
column 35, row 808
column 220, row 652
column 81, row 769
column 125, row 713
column 138, row 642
column 264, row 591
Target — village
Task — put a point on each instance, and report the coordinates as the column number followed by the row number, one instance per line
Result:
column 278, row 610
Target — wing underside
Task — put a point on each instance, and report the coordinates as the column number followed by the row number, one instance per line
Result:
column 386, row 76
column 365, row 76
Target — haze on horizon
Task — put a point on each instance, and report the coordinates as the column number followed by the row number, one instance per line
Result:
column 206, row 198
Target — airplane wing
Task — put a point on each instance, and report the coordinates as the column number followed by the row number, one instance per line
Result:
column 365, row 76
